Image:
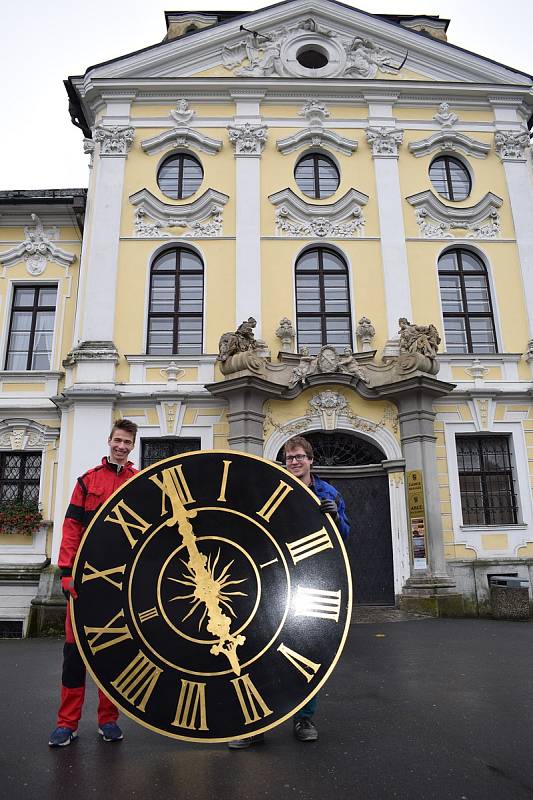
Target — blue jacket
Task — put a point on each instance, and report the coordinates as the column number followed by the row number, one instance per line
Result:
column 325, row 491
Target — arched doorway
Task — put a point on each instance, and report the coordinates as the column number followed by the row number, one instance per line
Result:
column 354, row 466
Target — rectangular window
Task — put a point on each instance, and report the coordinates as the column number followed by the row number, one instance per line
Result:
column 20, row 475
column 153, row 450
column 486, row 480
column 31, row 328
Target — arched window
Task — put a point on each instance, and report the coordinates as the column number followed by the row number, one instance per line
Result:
column 175, row 317
column 466, row 303
column 180, row 176
column 323, row 313
column 450, row 178
column 317, row 176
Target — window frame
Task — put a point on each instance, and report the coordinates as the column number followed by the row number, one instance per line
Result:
column 176, row 315
column 322, row 314
column 34, row 309
column 181, row 156
column 36, row 482
column 447, row 159
column 485, row 474
column 465, row 314
column 315, row 156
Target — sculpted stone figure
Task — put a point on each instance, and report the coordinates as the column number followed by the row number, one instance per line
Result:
column 418, row 347
column 236, row 350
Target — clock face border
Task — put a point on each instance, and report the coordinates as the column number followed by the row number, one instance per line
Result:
column 274, row 503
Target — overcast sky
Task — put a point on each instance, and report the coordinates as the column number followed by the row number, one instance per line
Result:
column 45, row 41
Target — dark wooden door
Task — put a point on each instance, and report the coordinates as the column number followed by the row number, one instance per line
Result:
column 370, row 543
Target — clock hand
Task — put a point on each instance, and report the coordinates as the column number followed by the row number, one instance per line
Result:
column 206, row 587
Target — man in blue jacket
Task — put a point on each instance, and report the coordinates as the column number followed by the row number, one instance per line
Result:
column 298, row 455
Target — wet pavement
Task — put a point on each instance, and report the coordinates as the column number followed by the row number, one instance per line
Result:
column 417, row 708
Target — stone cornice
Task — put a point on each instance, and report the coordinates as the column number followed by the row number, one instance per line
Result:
column 449, row 140
column 342, row 219
column 316, row 136
column 436, row 220
column 181, row 136
column 37, row 249
column 203, row 217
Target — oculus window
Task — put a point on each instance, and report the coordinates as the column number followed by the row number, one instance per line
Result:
column 323, row 314
column 466, row 303
column 175, row 316
column 317, row 176
column 450, row 178
column 180, row 176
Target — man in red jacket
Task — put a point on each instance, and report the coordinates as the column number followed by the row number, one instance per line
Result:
column 90, row 493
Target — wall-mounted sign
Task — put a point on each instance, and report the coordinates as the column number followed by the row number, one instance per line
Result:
column 417, row 517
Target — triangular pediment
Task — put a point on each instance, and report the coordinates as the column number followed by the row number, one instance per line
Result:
column 331, row 39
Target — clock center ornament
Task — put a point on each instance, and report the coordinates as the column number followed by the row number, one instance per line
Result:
column 214, row 597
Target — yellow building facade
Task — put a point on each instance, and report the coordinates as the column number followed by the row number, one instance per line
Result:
column 302, row 220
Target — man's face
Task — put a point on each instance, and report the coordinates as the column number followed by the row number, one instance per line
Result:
column 120, row 446
column 299, row 464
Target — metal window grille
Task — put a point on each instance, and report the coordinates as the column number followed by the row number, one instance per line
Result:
column 340, row 450
column 154, row 450
column 20, row 476
column 175, row 317
column 323, row 314
column 486, row 480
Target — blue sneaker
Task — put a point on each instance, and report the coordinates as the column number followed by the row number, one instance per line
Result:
column 110, row 732
column 61, row 737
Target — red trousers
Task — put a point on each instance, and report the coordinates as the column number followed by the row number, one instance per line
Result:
column 73, row 686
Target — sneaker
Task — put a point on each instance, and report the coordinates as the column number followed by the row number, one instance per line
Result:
column 110, row 732
column 242, row 744
column 305, row 730
column 61, row 737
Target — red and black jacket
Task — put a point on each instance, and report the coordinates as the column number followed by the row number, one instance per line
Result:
column 90, row 493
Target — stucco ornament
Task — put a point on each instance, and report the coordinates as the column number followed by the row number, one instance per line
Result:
column 366, row 332
column 445, row 117
column 288, row 225
column 182, row 114
column 365, row 58
column 327, row 361
column 37, row 249
column 210, row 225
column 286, row 333
column 114, row 141
column 237, row 350
column 384, row 141
column 248, row 139
column 511, row 145
column 328, row 405
column 418, row 347
column 314, row 112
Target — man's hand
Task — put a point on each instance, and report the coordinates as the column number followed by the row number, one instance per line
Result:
column 329, row 507
column 67, row 587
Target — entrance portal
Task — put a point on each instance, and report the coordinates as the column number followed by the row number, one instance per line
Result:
column 353, row 465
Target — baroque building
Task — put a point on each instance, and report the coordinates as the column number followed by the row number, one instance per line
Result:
column 303, row 219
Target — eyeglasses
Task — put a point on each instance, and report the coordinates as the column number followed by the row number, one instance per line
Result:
column 299, row 457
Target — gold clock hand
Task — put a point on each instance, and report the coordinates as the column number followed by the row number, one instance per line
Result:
column 206, row 587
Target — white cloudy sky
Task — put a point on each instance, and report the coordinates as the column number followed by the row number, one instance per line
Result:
column 45, row 41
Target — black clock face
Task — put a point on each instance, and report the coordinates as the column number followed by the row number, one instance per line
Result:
column 214, row 597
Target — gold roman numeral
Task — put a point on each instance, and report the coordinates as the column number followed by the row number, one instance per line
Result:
column 127, row 525
column 222, row 496
column 191, row 710
column 137, row 682
column 309, row 545
column 275, row 500
column 116, row 634
column 150, row 613
column 317, row 603
column 174, row 486
column 300, row 662
column 252, row 704
column 105, row 574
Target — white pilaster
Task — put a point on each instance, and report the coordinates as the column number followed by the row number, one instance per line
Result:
column 101, row 251
column 248, row 136
column 384, row 139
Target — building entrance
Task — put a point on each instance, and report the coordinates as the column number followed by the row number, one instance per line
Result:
column 353, row 465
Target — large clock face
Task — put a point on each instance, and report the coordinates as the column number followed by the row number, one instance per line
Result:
column 214, row 597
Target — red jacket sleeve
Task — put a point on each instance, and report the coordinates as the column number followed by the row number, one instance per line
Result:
column 73, row 528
